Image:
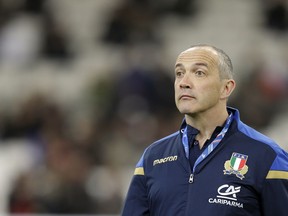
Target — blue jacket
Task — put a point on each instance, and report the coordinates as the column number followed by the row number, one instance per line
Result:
column 246, row 174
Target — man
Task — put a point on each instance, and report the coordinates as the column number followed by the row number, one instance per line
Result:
column 215, row 164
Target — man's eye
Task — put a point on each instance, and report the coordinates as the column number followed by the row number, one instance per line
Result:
column 179, row 73
column 199, row 73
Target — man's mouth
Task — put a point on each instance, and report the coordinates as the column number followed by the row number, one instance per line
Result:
column 186, row 97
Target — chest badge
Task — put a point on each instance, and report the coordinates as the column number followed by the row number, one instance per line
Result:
column 236, row 165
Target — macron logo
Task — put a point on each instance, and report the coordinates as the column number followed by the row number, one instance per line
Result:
column 165, row 160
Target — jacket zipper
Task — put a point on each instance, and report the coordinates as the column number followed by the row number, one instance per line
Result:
column 191, row 178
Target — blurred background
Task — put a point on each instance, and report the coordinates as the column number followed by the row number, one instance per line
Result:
column 86, row 85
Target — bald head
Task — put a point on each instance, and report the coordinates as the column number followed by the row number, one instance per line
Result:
column 224, row 62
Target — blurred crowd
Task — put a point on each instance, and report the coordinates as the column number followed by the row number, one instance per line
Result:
column 54, row 161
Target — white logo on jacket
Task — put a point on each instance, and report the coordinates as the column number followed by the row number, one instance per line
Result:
column 227, row 195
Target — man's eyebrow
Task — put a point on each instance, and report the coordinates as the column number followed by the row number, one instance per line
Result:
column 196, row 64
column 201, row 64
column 178, row 65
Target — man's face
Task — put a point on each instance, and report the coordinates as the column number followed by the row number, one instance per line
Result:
column 197, row 81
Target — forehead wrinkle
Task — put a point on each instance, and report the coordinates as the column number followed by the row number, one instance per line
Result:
column 202, row 59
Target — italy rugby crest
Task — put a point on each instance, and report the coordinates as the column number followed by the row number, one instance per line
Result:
column 236, row 165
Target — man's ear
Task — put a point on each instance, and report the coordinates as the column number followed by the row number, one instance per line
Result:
column 227, row 88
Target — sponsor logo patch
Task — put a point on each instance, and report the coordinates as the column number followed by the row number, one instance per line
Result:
column 227, row 195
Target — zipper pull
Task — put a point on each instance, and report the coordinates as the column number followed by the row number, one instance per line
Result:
column 191, row 178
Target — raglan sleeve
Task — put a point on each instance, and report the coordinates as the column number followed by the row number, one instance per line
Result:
column 136, row 202
column 275, row 188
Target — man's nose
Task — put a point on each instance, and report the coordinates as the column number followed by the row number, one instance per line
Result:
column 185, row 82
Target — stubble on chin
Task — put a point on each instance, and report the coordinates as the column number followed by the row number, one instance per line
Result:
column 186, row 108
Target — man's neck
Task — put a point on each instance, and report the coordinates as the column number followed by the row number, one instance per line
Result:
column 206, row 124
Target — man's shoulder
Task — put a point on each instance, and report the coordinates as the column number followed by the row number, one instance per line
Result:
column 256, row 135
column 164, row 142
column 159, row 146
column 166, row 139
column 261, row 142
